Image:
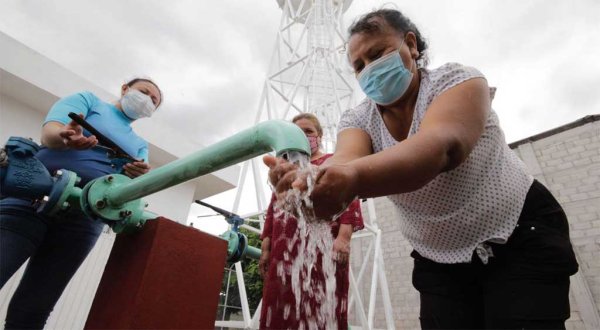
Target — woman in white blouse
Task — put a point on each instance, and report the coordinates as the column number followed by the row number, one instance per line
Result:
column 491, row 244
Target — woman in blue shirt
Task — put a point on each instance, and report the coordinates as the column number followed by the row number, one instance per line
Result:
column 57, row 246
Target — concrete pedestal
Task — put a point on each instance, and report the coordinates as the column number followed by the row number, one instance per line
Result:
column 168, row 276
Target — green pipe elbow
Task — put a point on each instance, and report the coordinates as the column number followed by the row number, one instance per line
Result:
column 274, row 135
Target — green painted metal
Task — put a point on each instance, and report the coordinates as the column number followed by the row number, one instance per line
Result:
column 274, row 135
column 63, row 194
column 238, row 248
column 132, row 225
column 71, row 193
column 129, row 212
column 75, row 195
column 233, row 242
column 124, row 218
column 252, row 252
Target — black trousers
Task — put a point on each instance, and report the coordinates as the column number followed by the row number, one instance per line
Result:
column 524, row 286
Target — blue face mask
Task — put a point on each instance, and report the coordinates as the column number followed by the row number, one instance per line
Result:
column 386, row 79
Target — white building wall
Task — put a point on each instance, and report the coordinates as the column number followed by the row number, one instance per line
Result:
column 568, row 163
column 173, row 203
column 18, row 119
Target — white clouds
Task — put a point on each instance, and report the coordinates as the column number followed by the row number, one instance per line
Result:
column 210, row 58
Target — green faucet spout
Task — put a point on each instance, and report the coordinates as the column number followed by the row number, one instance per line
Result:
column 274, row 135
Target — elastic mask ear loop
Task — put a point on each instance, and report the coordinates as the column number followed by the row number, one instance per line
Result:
column 416, row 60
column 413, row 61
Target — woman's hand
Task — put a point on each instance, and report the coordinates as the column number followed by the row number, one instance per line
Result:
column 281, row 173
column 135, row 169
column 336, row 186
column 72, row 137
column 341, row 249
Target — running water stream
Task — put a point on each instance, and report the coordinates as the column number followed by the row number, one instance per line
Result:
column 312, row 270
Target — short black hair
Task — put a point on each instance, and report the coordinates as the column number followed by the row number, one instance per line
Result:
column 135, row 80
column 396, row 20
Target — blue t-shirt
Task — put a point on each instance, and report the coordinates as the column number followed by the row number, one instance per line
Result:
column 108, row 120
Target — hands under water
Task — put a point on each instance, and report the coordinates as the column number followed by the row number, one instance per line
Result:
column 335, row 187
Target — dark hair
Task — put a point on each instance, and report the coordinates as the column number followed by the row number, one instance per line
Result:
column 312, row 118
column 135, row 80
column 397, row 21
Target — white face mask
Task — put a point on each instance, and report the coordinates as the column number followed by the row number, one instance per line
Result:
column 137, row 105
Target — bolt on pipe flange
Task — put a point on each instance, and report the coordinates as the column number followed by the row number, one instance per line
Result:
column 100, row 204
column 64, row 187
column 119, row 217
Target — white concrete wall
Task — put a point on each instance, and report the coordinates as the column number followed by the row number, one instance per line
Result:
column 173, row 203
column 18, row 119
column 569, row 164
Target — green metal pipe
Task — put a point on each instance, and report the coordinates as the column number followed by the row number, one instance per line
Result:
column 278, row 135
column 253, row 253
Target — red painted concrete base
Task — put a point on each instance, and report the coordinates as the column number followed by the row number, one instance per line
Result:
column 168, row 276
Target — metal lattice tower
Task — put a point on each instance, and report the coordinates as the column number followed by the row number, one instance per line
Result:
column 308, row 73
column 306, row 66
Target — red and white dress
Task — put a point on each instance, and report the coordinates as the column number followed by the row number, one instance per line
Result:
column 277, row 290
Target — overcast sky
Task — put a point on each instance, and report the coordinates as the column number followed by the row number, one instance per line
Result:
column 210, row 57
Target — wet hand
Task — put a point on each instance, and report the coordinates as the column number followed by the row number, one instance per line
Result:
column 281, row 173
column 72, row 135
column 135, row 169
column 285, row 176
column 336, row 186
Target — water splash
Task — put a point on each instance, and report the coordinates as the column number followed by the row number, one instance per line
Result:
column 312, row 270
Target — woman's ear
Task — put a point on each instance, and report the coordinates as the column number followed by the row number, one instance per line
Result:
column 124, row 89
column 410, row 39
